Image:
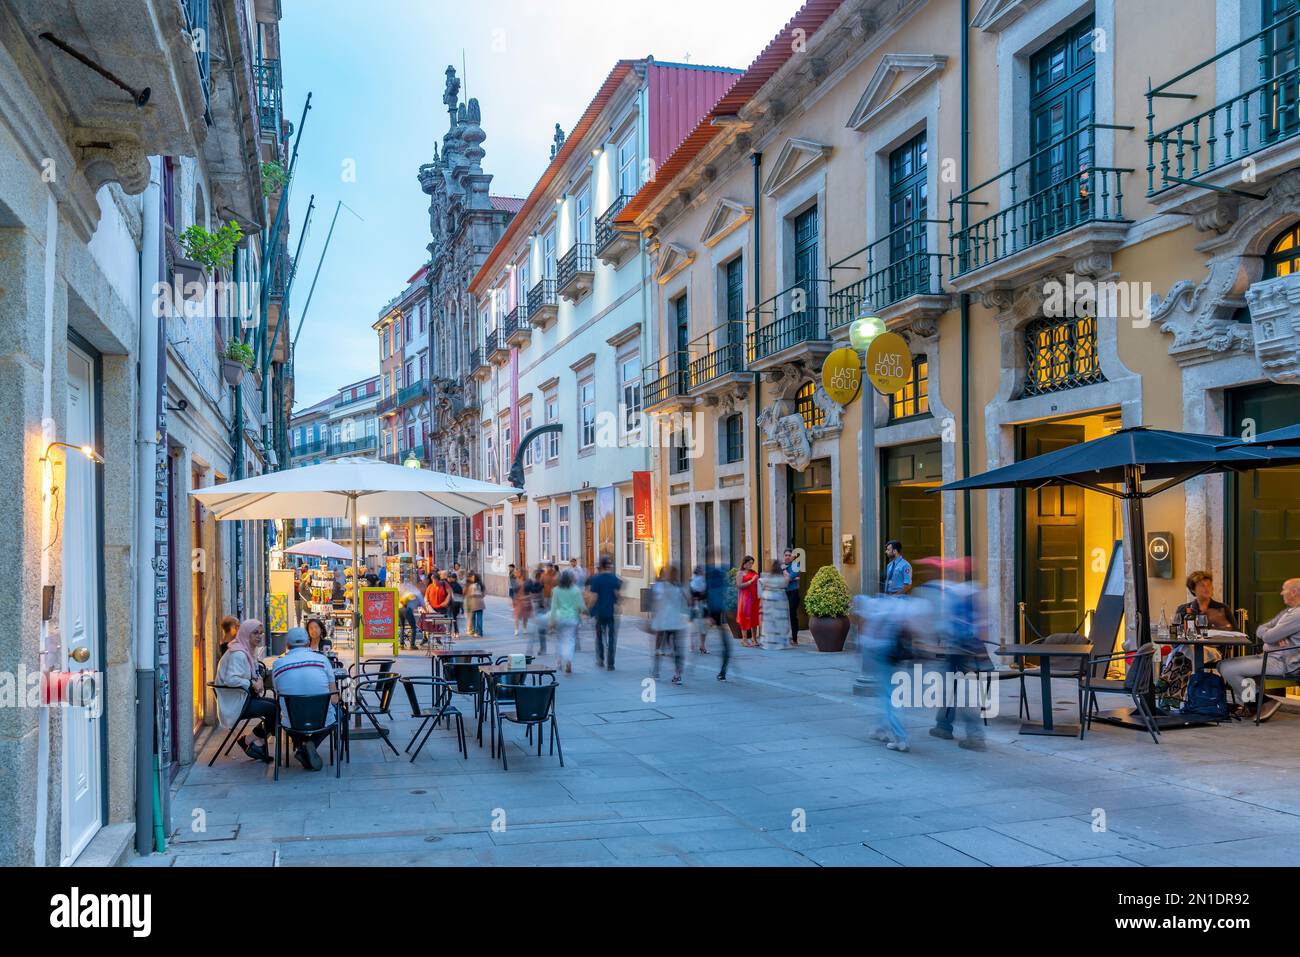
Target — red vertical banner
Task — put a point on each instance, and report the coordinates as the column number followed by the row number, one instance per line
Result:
column 642, row 513
column 478, row 529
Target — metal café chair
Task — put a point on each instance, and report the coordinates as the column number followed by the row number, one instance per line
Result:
column 375, row 688
column 236, row 729
column 1136, row 684
column 308, row 714
column 534, row 705
column 432, row 718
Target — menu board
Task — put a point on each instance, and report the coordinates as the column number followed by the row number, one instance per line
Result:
column 379, row 616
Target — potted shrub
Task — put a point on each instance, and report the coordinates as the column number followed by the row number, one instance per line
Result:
column 235, row 361
column 205, row 253
column 827, row 604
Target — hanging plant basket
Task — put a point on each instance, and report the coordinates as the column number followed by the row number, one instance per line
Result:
column 236, row 360
column 192, row 279
column 232, row 370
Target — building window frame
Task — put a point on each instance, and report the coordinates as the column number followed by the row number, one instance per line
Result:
column 633, row 550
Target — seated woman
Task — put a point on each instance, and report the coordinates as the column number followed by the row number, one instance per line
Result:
column 1200, row 585
column 239, row 690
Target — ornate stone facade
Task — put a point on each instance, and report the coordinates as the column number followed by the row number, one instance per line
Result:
column 464, row 224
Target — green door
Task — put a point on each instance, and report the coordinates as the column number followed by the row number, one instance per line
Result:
column 1052, row 548
column 1264, row 507
column 811, row 522
column 912, row 514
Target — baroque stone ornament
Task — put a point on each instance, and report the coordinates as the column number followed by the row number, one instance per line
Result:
column 1275, row 319
column 111, row 156
column 832, row 412
column 1200, row 316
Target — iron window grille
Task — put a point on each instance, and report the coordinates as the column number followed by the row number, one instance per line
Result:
column 914, row 398
column 1061, row 353
column 813, row 415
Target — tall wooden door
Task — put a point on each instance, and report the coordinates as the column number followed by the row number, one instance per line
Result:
column 811, row 522
column 589, row 535
column 1052, row 557
column 198, row 604
column 1265, row 507
column 521, row 543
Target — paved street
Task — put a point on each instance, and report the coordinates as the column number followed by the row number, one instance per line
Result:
column 718, row 774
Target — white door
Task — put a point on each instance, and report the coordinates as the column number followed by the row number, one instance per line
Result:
column 79, row 621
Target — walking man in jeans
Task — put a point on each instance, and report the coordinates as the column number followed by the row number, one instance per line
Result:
column 603, row 589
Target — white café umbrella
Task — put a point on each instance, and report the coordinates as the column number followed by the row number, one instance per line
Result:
column 319, row 548
column 347, row 488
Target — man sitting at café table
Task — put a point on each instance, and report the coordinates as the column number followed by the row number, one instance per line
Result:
column 301, row 671
column 1281, row 638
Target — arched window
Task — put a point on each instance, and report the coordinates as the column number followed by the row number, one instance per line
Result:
column 813, row 414
column 1283, row 257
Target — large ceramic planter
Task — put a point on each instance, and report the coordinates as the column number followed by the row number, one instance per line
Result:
column 829, row 633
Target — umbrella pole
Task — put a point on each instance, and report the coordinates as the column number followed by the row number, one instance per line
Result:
column 356, row 600
column 1138, row 544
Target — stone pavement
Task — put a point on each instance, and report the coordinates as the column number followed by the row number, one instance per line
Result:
column 714, row 773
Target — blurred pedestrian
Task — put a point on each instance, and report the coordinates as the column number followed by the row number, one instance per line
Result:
column 880, row 623
column 669, row 619
column 715, row 609
column 565, row 609
column 474, row 605
column 535, row 595
column 699, row 628
column 747, row 603
column 457, row 602
column 604, row 588
column 774, row 608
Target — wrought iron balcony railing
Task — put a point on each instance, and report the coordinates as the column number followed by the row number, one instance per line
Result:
column 605, row 231
column 895, row 267
column 667, row 379
column 793, row 316
column 1050, row 192
column 1258, row 116
column 541, row 297
column 490, row 343
column 316, row 447
column 415, row 392
column 355, row 446
column 510, row 324
column 719, row 352
column 270, row 96
column 387, row 404
column 475, row 360
column 572, row 264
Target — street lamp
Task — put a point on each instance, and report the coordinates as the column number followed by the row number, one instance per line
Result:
column 862, row 332
column 411, row 461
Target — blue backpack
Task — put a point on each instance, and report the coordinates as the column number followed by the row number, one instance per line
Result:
column 1207, row 696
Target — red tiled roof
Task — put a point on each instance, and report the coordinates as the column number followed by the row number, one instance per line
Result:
column 522, row 219
column 810, row 18
column 419, row 274
column 509, row 204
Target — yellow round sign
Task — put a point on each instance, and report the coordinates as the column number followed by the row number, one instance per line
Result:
column 842, row 375
column 889, row 363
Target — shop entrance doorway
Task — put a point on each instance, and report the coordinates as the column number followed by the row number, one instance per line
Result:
column 912, row 515
column 811, row 522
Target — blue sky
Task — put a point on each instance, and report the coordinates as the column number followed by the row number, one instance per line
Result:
column 376, row 72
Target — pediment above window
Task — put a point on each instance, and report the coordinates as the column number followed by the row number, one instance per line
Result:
column 796, row 160
column 727, row 217
column 898, row 76
column 672, row 260
column 994, row 16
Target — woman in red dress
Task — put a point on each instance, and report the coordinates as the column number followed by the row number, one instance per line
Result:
column 747, row 603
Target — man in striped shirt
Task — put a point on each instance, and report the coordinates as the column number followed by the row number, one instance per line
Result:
column 301, row 671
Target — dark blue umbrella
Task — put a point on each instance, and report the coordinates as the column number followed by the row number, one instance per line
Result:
column 1290, row 435
column 1119, row 463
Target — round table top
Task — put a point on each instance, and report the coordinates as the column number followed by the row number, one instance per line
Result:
column 1046, row 651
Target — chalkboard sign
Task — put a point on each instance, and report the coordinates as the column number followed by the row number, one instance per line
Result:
column 379, row 616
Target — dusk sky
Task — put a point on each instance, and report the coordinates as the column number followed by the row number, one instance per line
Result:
column 376, row 72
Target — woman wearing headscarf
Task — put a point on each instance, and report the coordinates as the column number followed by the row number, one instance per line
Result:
column 239, row 690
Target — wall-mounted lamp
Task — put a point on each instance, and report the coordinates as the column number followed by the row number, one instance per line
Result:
column 85, row 450
column 597, row 151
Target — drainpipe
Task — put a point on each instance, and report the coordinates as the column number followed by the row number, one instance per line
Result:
column 756, row 159
column 151, row 272
column 965, row 297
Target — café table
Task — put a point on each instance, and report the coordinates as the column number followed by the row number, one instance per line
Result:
column 1199, row 644
column 492, row 674
column 438, row 654
column 1045, row 653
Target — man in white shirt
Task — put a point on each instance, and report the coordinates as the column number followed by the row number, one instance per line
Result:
column 1281, row 637
column 301, row 671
